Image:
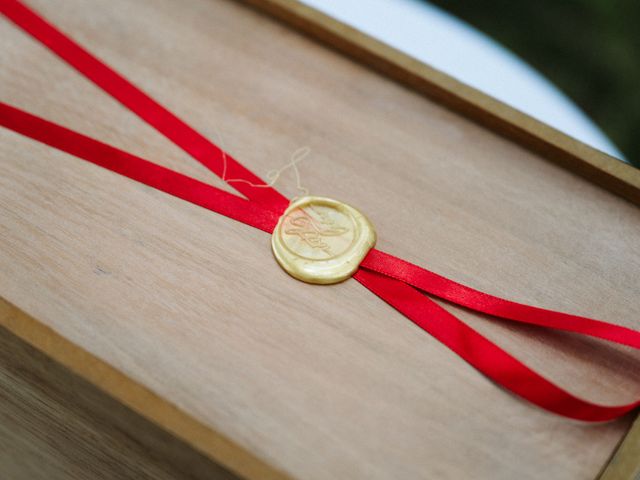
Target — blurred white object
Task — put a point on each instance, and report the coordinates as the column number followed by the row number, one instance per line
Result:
column 440, row 40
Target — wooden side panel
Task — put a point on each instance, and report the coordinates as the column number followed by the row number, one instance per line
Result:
column 625, row 464
column 54, row 425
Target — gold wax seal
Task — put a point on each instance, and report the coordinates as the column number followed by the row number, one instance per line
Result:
column 320, row 240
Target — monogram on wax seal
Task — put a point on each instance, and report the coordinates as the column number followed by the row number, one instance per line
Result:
column 320, row 240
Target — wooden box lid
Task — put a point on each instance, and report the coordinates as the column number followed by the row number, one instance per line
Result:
column 184, row 317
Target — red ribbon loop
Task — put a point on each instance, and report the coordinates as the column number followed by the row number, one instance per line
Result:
column 398, row 282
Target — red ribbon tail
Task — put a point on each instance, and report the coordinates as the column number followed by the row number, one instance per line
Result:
column 454, row 292
column 121, row 89
column 483, row 354
column 138, row 169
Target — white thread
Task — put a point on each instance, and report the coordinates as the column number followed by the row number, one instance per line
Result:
column 272, row 175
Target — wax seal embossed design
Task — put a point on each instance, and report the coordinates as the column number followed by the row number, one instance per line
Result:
column 321, row 240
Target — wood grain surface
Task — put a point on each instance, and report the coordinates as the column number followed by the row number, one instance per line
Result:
column 303, row 381
column 552, row 144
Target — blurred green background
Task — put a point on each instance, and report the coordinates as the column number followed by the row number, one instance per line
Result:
column 590, row 49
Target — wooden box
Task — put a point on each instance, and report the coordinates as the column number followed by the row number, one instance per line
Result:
column 145, row 337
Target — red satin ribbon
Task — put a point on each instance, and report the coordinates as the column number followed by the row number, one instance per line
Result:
column 399, row 283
